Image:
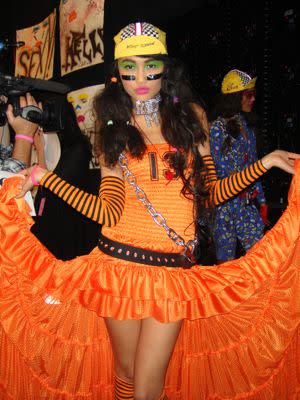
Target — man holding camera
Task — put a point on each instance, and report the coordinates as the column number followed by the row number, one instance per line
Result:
column 17, row 156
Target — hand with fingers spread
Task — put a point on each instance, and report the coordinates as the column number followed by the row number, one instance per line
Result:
column 281, row 159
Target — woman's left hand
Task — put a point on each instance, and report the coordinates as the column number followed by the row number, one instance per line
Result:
column 282, row 159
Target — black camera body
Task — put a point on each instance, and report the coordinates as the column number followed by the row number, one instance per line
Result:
column 51, row 118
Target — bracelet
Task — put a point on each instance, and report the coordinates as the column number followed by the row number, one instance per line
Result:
column 25, row 137
column 32, row 175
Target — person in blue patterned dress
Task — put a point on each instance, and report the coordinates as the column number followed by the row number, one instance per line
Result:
column 233, row 147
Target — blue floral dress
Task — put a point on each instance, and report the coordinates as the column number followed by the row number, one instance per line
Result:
column 238, row 218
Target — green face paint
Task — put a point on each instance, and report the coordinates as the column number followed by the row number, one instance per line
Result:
column 153, row 65
column 127, row 65
column 153, row 69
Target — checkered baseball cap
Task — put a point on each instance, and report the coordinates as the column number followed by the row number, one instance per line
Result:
column 140, row 38
column 236, row 81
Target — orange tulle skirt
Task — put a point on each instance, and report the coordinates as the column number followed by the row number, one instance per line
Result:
column 240, row 338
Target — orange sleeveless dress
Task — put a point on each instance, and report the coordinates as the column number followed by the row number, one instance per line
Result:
column 240, row 338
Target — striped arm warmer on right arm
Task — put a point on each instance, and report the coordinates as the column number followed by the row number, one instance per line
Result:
column 106, row 209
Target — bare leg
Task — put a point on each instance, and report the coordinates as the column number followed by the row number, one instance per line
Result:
column 155, row 347
column 142, row 351
column 124, row 336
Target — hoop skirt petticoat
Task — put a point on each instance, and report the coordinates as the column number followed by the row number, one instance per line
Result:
column 240, row 338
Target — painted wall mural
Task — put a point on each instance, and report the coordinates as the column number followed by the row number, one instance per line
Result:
column 81, row 34
column 82, row 101
column 36, row 58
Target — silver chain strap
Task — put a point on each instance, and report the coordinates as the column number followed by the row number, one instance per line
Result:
column 189, row 247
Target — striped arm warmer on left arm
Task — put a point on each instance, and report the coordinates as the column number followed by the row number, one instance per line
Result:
column 224, row 189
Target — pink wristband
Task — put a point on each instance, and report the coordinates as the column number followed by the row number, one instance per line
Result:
column 25, row 137
column 32, row 175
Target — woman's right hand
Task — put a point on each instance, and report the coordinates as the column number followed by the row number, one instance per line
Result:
column 28, row 183
column 281, row 159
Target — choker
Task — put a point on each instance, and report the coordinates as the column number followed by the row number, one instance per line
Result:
column 148, row 108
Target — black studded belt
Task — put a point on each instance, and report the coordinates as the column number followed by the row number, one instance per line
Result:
column 142, row 256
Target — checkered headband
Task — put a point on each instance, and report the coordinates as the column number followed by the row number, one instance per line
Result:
column 139, row 28
column 245, row 78
column 140, row 38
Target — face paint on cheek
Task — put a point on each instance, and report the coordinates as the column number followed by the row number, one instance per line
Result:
column 153, row 77
column 128, row 77
column 153, row 65
column 128, row 67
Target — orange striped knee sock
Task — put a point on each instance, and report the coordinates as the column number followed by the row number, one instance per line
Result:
column 123, row 389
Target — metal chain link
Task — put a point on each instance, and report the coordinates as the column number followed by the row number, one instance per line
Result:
column 189, row 247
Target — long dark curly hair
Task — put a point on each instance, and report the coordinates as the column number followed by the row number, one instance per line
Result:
column 180, row 126
column 229, row 107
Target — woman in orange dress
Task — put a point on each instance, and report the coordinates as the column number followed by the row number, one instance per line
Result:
column 176, row 328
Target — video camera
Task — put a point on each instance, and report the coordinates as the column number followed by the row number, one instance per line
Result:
column 51, row 118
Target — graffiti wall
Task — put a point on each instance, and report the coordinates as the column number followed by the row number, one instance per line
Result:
column 80, row 42
column 81, row 34
column 82, row 101
column 35, row 59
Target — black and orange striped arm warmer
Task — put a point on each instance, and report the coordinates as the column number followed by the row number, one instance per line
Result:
column 226, row 188
column 106, row 209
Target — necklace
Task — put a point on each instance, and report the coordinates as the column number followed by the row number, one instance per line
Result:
column 149, row 108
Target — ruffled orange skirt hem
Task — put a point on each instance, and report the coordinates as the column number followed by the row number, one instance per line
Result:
column 240, row 338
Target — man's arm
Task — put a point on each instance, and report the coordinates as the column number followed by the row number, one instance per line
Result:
column 24, row 131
